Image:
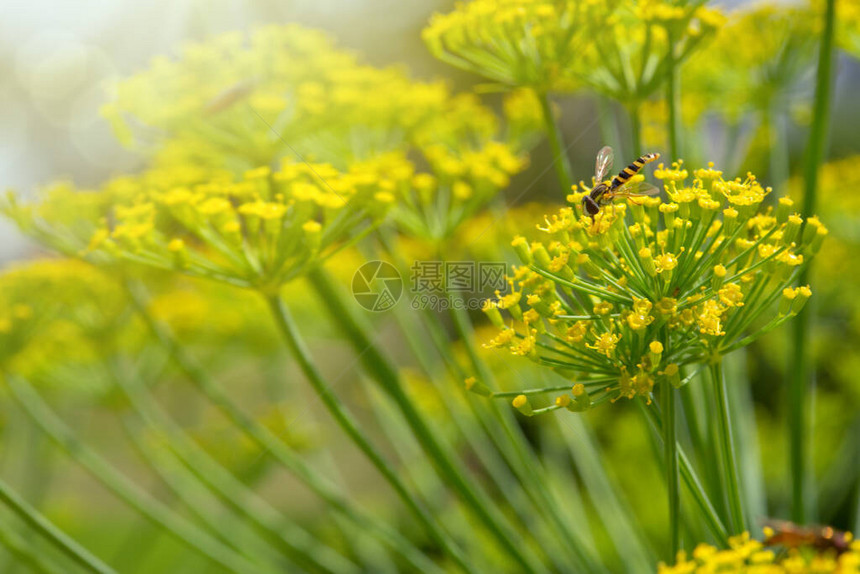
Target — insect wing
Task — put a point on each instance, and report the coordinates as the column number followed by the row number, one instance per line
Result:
column 635, row 188
column 604, row 163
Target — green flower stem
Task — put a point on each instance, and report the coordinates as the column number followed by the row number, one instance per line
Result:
column 731, row 484
column 615, row 513
column 670, row 452
column 49, row 531
column 188, row 489
column 386, row 374
column 608, row 127
column 693, row 405
column 23, row 552
column 799, row 386
column 556, row 142
column 272, row 444
column 153, row 510
column 673, row 99
column 478, row 427
column 470, row 424
column 635, row 115
column 292, row 539
column 527, row 462
column 344, row 419
column 691, row 480
column 778, row 140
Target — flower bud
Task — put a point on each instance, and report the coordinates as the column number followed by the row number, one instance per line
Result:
column 491, row 310
column 180, row 253
column 803, row 295
column 472, row 385
column 313, row 234
column 586, row 263
column 783, row 209
column 521, row 403
column 655, row 352
column 720, row 273
column 521, row 248
column 818, row 240
column 673, row 373
column 647, row 262
column 785, row 302
column 730, row 220
column 582, row 399
column 541, row 256
column 792, row 229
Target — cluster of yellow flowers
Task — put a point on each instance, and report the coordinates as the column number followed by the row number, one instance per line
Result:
column 736, row 75
column 535, row 43
column 240, row 103
column 258, row 231
column 748, row 555
column 847, row 25
column 273, row 152
column 559, row 46
column 614, row 305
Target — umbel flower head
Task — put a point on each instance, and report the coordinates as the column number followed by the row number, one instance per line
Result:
column 632, row 53
column 559, row 46
column 749, row 555
column 260, row 230
column 238, row 102
column 650, row 286
column 516, row 43
column 49, row 307
column 735, row 76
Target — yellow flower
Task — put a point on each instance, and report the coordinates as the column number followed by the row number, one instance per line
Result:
column 636, row 302
column 605, row 343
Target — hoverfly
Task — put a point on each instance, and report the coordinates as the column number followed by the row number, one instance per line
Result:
column 790, row 535
column 604, row 192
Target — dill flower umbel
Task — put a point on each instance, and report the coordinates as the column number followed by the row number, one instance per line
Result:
column 748, row 555
column 650, row 286
column 258, row 231
column 735, row 76
column 519, row 42
column 240, row 102
column 560, row 46
column 289, row 92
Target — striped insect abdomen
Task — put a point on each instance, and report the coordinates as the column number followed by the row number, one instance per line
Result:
column 625, row 174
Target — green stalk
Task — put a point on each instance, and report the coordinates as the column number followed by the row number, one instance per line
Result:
column 556, row 142
column 386, row 374
column 635, row 115
column 673, row 99
column 608, row 127
column 614, row 512
column 527, row 462
column 153, row 510
column 670, row 452
column 731, row 484
column 800, row 384
column 691, row 480
column 344, row 419
column 186, row 487
column 272, row 444
column 49, row 530
column 292, row 539
column 23, row 554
